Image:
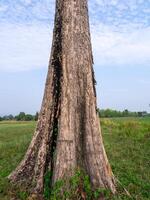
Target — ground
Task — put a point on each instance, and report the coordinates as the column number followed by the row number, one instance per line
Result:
column 127, row 142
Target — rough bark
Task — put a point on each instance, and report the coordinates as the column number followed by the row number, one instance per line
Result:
column 68, row 134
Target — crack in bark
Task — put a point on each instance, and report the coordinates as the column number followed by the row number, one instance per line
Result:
column 56, row 63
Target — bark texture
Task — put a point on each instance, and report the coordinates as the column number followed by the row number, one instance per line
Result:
column 68, row 134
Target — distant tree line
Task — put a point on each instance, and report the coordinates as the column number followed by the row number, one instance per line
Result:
column 104, row 113
column 22, row 116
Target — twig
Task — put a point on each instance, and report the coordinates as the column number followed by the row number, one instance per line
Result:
column 126, row 191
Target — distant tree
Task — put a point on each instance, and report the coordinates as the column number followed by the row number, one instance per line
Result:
column 142, row 114
column 125, row 113
column 36, row 116
column 21, row 116
column 114, row 113
column 5, row 117
column 10, row 117
column 139, row 114
column 28, row 117
column 1, row 119
column 107, row 113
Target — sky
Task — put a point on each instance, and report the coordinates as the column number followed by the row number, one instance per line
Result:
column 120, row 31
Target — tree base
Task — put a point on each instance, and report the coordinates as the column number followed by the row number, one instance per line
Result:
column 77, row 187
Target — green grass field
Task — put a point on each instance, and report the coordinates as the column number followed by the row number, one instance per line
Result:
column 127, row 142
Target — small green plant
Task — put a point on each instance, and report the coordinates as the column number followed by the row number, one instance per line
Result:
column 56, row 192
column 47, row 180
column 22, row 195
column 77, row 187
column 87, row 187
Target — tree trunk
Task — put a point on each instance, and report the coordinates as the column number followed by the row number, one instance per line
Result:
column 68, row 134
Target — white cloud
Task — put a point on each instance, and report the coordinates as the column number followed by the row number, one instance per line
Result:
column 121, row 49
column 26, row 2
column 24, row 47
column 3, row 8
column 120, row 43
column 27, row 47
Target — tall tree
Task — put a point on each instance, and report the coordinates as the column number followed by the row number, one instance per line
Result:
column 68, row 134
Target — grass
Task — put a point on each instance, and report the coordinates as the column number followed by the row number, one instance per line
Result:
column 14, row 140
column 127, row 142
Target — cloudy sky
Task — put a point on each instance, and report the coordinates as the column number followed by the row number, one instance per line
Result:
column 120, row 32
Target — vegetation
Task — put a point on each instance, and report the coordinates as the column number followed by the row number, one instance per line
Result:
column 127, row 142
column 103, row 113
column 22, row 116
column 76, row 188
column 109, row 113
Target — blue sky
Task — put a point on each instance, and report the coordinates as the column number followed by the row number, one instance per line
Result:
column 120, row 31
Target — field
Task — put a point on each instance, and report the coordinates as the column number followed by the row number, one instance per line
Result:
column 127, row 142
